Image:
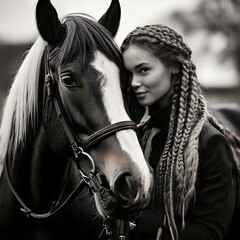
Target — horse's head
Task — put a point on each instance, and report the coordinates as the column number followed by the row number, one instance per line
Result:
column 88, row 93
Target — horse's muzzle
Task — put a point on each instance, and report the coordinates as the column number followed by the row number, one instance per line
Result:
column 124, row 200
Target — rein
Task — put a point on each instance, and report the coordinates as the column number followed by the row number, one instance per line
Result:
column 91, row 179
column 54, row 209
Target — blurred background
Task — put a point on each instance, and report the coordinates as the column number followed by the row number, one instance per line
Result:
column 211, row 28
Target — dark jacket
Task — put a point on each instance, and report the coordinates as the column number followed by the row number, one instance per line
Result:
column 212, row 216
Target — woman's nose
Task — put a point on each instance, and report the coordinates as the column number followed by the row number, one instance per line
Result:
column 135, row 82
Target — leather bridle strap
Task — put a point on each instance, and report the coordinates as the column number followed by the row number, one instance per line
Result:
column 78, row 151
column 26, row 210
column 107, row 131
column 95, row 137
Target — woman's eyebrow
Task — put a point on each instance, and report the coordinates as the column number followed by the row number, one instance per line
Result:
column 141, row 65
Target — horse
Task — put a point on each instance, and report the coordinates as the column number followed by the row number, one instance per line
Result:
column 228, row 115
column 70, row 156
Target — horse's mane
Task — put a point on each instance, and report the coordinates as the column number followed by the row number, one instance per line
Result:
column 21, row 109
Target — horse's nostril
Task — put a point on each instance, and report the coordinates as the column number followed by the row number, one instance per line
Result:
column 125, row 187
column 144, row 196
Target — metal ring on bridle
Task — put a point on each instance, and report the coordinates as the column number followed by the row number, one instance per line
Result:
column 79, row 156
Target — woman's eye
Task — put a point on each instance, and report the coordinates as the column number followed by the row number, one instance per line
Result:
column 68, row 81
column 144, row 70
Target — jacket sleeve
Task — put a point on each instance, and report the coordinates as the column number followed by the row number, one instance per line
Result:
column 213, row 208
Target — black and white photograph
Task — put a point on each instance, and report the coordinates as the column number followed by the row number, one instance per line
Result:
column 119, row 120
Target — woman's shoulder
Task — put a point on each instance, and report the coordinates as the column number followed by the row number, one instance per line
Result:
column 210, row 134
column 214, row 148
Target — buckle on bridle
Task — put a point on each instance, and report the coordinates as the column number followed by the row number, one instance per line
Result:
column 77, row 150
column 107, row 228
column 26, row 211
column 132, row 225
column 49, row 82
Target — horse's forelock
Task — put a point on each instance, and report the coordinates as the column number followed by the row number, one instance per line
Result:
column 83, row 37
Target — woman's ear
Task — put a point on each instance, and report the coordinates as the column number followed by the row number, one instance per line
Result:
column 176, row 70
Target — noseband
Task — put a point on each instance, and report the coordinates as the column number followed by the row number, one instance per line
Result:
column 91, row 179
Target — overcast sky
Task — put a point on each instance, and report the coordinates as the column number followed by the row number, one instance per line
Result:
column 18, row 25
column 17, row 17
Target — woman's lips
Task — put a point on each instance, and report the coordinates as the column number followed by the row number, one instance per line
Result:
column 140, row 94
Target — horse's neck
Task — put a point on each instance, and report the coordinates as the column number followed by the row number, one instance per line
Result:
column 48, row 172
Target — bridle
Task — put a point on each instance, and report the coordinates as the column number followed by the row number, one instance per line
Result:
column 91, row 179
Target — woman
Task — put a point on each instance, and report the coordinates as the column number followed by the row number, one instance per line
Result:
column 194, row 195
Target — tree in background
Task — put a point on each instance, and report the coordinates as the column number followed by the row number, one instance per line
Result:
column 216, row 17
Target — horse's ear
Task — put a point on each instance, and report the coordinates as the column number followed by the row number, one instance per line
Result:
column 49, row 26
column 111, row 19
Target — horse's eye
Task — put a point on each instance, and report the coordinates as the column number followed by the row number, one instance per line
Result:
column 68, row 81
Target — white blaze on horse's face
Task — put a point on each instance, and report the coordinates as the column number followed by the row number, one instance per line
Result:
column 115, row 110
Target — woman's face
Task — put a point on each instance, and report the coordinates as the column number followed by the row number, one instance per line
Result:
column 151, row 79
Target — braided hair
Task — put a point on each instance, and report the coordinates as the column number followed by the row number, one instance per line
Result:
column 177, row 169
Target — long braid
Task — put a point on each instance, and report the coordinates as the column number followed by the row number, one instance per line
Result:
column 177, row 168
column 192, row 102
column 180, row 136
column 167, row 173
column 161, row 170
column 176, row 161
column 191, row 154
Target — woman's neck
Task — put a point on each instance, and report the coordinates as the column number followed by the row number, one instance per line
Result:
column 166, row 99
